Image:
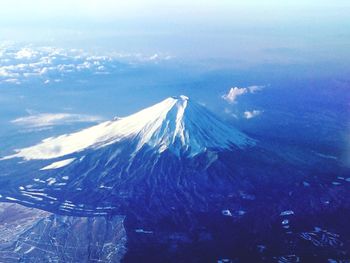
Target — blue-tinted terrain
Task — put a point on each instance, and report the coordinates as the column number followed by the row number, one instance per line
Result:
column 175, row 184
column 187, row 131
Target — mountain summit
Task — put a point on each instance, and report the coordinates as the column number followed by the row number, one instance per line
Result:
column 176, row 123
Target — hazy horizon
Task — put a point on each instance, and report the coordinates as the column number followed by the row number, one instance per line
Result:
column 246, row 33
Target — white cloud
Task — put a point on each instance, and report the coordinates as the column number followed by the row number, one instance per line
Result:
column 25, row 53
column 255, row 88
column 13, row 81
column 44, row 63
column 52, row 119
column 138, row 57
column 251, row 114
column 234, row 92
column 6, row 74
column 154, row 57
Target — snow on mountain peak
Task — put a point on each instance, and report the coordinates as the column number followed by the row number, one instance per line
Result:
column 176, row 123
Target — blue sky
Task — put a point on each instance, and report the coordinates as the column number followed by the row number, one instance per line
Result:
column 247, row 32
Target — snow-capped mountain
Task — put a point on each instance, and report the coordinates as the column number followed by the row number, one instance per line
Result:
column 170, row 149
column 176, row 123
column 180, row 176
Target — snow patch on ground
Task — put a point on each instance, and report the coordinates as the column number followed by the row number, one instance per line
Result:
column 58, row 164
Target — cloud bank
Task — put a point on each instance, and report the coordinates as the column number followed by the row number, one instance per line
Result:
column 51, row 65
